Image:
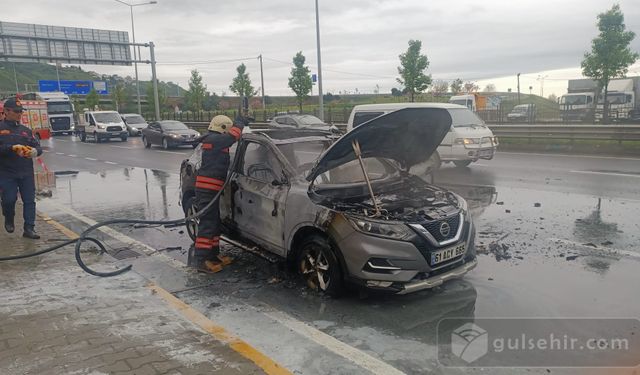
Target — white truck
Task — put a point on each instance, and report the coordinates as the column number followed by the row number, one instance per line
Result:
column 623, row 98
column 585, row 102
column 59, row 109
column 101, row 125
column 467, row 141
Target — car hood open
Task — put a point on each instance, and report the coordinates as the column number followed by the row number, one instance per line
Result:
column 408, row 136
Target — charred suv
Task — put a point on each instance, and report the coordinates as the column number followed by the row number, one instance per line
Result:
column 348, row 210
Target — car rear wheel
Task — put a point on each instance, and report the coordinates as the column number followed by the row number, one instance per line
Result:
column 462, row 163
column 146, row 142
column 191, row 209
column 319, row 267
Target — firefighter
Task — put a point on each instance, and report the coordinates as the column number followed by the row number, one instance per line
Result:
column 223, row 133
column 17, row 148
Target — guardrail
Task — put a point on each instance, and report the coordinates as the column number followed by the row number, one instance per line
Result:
column 617, row 133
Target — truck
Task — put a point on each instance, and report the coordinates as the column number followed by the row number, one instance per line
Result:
column 101, row 125
column 485, row 106
column 59, row 109
column 584, row 100
column 34, row 117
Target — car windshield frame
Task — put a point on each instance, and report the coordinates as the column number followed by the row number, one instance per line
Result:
column 166, row 125
column 55, row 108
column 107, row 117
column 464, row 117
column 136, row 117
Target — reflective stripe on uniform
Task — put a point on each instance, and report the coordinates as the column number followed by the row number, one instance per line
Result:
column 209, row 183
column 207, row 146
column 235, row 132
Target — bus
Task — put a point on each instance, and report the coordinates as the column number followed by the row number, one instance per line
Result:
column 59, row 109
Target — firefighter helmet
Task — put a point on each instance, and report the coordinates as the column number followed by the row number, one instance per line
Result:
column 220, row 124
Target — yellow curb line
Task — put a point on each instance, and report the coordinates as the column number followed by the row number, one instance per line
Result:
column 219, row 333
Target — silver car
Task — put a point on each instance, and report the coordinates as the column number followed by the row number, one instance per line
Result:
column 305, row 195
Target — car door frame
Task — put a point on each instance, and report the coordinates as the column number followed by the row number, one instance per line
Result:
column 239, row 180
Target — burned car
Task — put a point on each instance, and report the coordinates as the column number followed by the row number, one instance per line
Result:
column 347, row 210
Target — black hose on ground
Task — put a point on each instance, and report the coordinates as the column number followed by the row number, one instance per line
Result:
column 84, row 236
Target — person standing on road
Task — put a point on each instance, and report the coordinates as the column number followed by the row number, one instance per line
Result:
column 17, row 148
column 223, row 133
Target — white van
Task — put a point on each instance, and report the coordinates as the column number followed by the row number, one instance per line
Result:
column 468, row 140
column 102, row 125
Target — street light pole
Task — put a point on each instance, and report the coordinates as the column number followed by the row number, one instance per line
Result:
column 136, row 56
column 320, row 99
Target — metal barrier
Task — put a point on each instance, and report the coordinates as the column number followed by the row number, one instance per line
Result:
column 617, row 133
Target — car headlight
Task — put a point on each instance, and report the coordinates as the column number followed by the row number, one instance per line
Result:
column 134, row 129
column 466, row 141
column 396, row 231
column 175, row 135
column 101, row 126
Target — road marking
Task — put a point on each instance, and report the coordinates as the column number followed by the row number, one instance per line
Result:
column 59, row 153
column 110, row 162
column 614, row 251
column 608, row 173
column 46, row 151
column 92, row 159
column 61, row 140
column 480, row 165
column 72, row 156
column 568, row 156
column 348, row 352
column 125, row 147
column 173, row 152
column 220, row 333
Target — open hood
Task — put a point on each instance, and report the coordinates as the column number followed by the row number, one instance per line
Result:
column 408, row 136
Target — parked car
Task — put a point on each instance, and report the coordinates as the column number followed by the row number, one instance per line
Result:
column 297, row 121
column 467, row 141
column 522, row 113
column 169, row 134
column 134, row 122
column 101, row 125
column 419, row 237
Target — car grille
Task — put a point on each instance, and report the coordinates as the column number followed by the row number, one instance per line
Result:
column 433, row 227
column 60, row 123
column 114, row 128
column 486, row 140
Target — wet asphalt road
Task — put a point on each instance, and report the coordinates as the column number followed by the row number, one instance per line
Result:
column 558, row 237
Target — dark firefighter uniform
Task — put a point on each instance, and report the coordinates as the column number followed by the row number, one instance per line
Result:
column 223, row 133
column 17, row 148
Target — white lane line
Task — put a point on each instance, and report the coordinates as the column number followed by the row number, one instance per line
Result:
column 92, row 159
column 346, row 351
column 110, row 162
column 148, row 250
column 59, row 153
column 608, row 173
column 604, row 250
column 568, row 156
column 61, row 140
column 46, row 151
column 173, row 152
column 480, row 165
column 72, row 156
column 125, row 147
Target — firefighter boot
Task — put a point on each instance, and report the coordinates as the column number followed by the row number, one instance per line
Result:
column 8, row 225
column 201, row 263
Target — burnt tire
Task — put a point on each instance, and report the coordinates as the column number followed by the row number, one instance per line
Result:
column 462, row 163
column 319, row 267
column 190, row 208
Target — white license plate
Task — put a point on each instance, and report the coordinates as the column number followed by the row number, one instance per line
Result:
column 446, row 254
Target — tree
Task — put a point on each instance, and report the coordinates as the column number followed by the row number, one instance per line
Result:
column 210, row 102
column 92, row 100
column 439, row 87
column 300, row 80
column 119, row 96
column 490, row 88
column 553, row 98
column 396, row 92
column 241, row 84
column 197, row 92
column 456, row 86
column 412, row 68
column 610, row 55
column 470, row 87
column 162, row 98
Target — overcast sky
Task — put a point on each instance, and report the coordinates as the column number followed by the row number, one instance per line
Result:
column 484, row 41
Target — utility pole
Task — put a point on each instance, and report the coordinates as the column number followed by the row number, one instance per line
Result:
column 321, row 110
column 541, row 79
column 15, row 77
column 518, row 88
column 156, row 100
column 58, row 76
column 262, row 82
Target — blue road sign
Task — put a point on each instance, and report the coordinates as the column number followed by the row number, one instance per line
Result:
column 314, row 78
column 73, row 87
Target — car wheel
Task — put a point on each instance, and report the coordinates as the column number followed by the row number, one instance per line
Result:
column 462, row 163
column 190, row 209
column 83, row 137
column 318, row 265
column 97, row 137
column 146, row 142
column 165, row 143
column 123, row 138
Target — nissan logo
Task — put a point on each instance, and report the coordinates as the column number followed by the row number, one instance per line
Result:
column 445, row 229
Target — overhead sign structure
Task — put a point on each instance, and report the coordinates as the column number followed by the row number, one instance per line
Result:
column 73, row 87
column 23, row 42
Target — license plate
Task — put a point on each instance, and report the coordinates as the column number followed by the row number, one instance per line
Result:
column 485, row 153
column 446, row 254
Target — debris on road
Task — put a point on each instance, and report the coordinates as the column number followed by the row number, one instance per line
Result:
column 537, row 205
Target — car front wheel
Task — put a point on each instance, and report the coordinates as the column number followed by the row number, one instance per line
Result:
column 146, row 142
column 191, row 209
column 319, row 266
column 165, row 143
